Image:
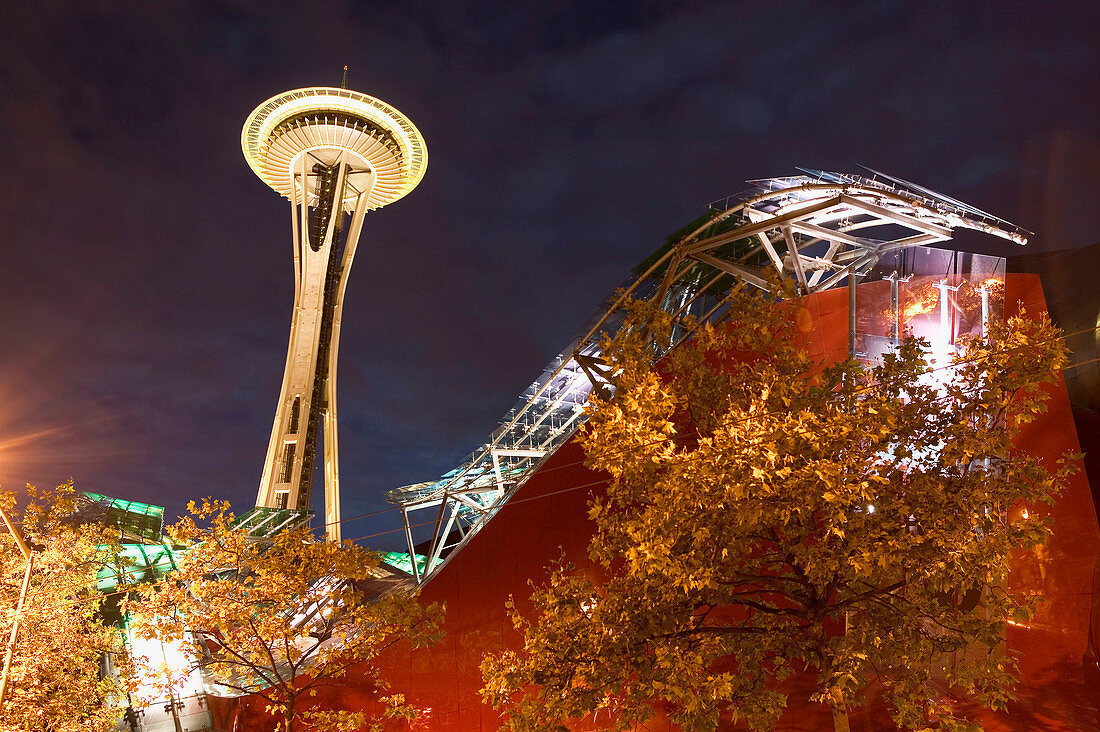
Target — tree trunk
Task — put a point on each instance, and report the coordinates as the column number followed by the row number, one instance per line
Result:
column 840, row 719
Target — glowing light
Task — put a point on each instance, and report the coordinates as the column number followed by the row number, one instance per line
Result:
column 153, row 654
column 921, row 306
column 271, row 154
column 1025, row 514
column 870, row 508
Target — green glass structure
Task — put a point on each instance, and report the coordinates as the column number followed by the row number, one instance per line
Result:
column 138, row 522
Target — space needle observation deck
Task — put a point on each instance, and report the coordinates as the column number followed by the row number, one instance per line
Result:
column 335, row 154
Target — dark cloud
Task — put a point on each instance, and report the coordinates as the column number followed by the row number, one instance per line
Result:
column 145, row 286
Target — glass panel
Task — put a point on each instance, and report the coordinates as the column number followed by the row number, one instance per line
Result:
column 935, row 294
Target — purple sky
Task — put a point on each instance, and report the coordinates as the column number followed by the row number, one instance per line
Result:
column 145, row 280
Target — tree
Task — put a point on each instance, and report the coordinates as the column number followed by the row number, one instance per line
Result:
column 279, row 618
column 766, row 516
column 57, row 681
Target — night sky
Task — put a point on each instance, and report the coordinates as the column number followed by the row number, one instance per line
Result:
column 145, row 280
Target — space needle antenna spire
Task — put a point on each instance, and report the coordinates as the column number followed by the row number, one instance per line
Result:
column 335, row 154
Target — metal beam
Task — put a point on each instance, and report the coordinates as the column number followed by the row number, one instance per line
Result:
column 750, row 230
column 465, row 501
column 898, row 218
column 773, row 255
column 753, row 278
column 830, row 235
column 438, row 540
column 796, row 260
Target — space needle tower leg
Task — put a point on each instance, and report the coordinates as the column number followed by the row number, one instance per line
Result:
column 306, row 404
column 335, row 154
column 332, row 451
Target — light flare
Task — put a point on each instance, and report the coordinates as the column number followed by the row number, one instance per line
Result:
column 10, row 443
column 921, row 306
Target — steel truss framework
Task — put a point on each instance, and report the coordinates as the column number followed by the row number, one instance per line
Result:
column 821, row 230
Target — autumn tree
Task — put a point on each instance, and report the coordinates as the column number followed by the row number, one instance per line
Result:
column 58, row 680
column 280, row 618
column 766, row 515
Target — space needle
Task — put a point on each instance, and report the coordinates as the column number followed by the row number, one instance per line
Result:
column 335, row 154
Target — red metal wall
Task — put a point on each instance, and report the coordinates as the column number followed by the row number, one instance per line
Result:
column 1058, row 685
column 547, row 518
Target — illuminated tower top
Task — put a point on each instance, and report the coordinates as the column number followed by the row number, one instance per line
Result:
column 383, row 146
column 334, row 154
